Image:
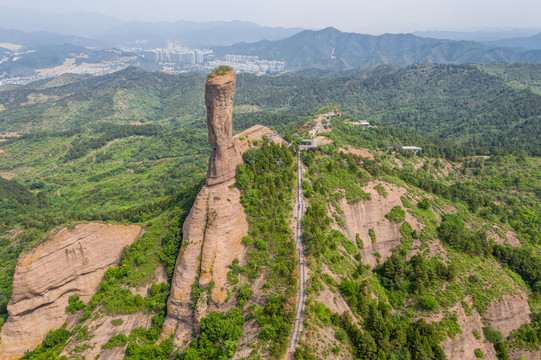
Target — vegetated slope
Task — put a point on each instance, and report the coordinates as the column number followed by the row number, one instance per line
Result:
column 14, row 195
column 411, row 250
column 116, row 173
column 332, row 49
column 110, row 173
column 127, row 96
column 517, row 75
column 146, row 178
column 457, row 102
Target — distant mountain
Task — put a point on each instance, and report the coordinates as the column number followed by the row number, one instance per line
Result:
column 83, row 24
column 480, row 36
column 530, row 42
column 116, row 32
column 41, row 38
column 195, row 33
column 332, row 49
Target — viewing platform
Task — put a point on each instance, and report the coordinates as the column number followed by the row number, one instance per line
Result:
column 308, row 144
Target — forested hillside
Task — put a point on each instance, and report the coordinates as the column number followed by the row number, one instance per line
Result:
column 408, row 256
column 481, row 106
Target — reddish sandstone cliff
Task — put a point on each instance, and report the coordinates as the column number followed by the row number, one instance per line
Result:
column 213, row 230
column 72, row 262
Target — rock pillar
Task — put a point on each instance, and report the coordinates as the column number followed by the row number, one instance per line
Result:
column 219, row 94
column 213, row 231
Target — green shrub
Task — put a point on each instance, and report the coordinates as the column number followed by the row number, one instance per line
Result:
column 50, row 348
column 117, row 322
column 492, row 335
column 372, row 235
column 86, row 315
column 219, row 71
column 348, row 288
column 397, row 214
column 261, row 244
column 340, row 335
column 83, row 334
column 329, row 280
column 219, row 336
column 449, row 324
column 307, row 188
column 381, row 190
column 428, row 303
column 359, row 241
column 501, row 350
column 467, row 308
column 525, row 337
column 350, row 247
column 245, row 293
column 424, row 204
column 118, row 340
column 406, row 202
column 478, row 353
column 233, row 274
column 453, row 232
column 247, row 240
column 74, row 304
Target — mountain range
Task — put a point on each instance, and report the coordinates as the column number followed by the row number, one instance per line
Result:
column 327, row 50
column 530, row 42
column 113, row 32
column 332, row 49
column 480, row 35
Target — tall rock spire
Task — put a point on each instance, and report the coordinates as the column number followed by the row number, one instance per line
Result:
column 219, row 95
column 213, row 231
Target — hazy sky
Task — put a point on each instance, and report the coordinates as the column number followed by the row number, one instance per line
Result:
column 367, row 16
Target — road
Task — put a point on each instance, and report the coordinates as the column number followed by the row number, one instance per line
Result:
column 297, row 326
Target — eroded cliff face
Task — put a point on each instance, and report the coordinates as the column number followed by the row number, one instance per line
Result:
column 213, row 231
column 370, row 214
column 463, row 345
column 72, row 262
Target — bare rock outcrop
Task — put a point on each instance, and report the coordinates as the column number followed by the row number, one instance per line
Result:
column 463, row 345
column 370, row 214
column 101, row 329
column 245, row 139
column 509, row 313
column 72, row 262
column 213, row 231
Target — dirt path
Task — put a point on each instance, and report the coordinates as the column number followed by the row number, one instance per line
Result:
column 297, row 326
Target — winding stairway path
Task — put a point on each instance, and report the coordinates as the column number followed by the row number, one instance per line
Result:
column 297, row 326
